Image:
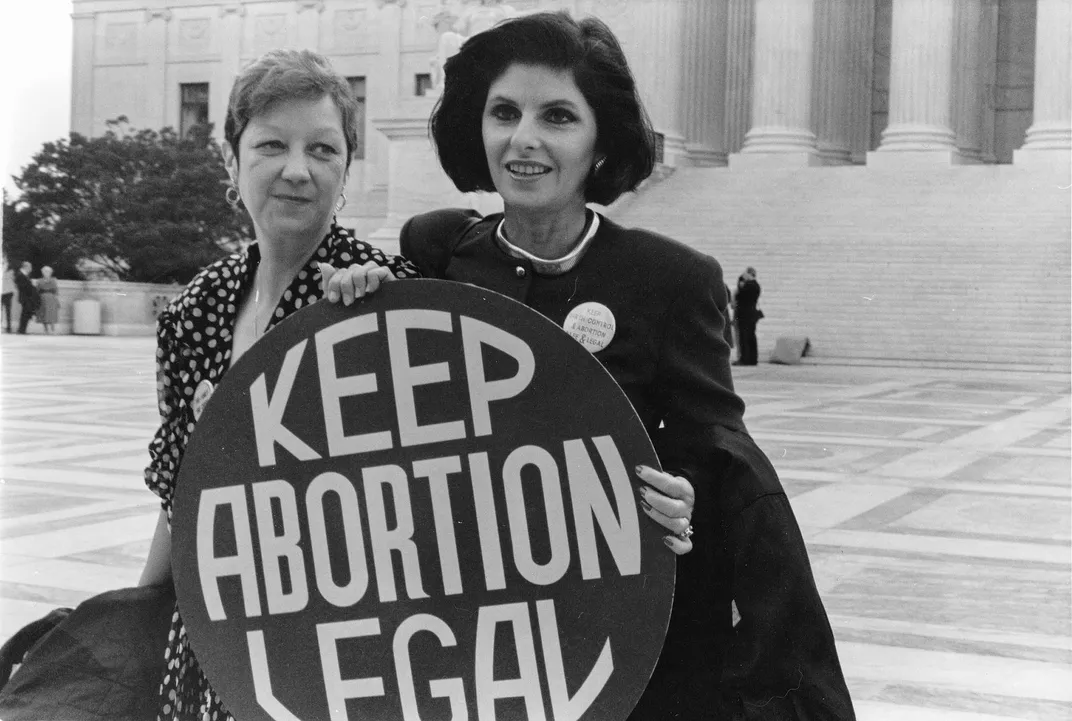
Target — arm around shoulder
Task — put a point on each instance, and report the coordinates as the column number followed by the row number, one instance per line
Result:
column 428, row 239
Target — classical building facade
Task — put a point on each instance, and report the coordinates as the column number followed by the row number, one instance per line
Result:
column 893, row 111
column 738, row 81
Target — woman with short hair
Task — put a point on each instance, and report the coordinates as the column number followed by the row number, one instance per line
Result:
column 48, row 311
column 544, row 110
column 289, row 137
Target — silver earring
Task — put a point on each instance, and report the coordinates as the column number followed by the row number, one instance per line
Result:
column 232, row 195
column 341, row 203
column 599, row 164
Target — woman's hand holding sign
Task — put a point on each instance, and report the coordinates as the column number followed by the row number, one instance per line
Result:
column 349, row 284
column 668, row 500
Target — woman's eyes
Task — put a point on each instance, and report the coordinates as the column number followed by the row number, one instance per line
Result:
column 504, row 112
column 325, row 149
column 555, row 116
column 274, row 146
column 558, row 116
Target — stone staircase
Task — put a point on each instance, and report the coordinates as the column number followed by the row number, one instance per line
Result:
column 964, row 266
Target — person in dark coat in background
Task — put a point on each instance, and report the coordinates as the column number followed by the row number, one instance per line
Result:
column 27, row 296
column 747, row 315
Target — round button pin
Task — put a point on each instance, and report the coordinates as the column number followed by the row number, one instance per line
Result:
column 592, row 325
column 201, row 396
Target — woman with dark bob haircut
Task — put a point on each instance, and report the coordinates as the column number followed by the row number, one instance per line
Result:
column 589, row 51
column 544, row 110
column 289, row 136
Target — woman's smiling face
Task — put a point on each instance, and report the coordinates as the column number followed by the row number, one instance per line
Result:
column 291, row 168
column 539, row 136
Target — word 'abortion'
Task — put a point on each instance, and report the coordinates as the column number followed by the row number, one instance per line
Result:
column 591, row 507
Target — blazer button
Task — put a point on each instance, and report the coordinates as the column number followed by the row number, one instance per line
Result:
column 520, row 270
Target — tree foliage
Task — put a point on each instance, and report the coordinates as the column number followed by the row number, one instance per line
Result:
column 146, row 205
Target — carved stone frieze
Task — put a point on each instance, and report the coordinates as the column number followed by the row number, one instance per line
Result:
column 352, row 30
column 194, row 35
column 120, row 40
column 269, row 31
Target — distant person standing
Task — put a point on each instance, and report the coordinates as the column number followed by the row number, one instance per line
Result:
column 27, row 295
column 48, row 310
column 747, row 315
column 8, row 294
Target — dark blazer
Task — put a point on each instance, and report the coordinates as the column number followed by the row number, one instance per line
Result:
column 27, row 291
column 748, row 291
column 669, row 355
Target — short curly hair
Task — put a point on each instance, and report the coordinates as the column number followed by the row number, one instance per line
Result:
column 586, row 48
column 281, row 75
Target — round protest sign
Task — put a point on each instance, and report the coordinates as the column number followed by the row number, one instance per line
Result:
column 421, row 507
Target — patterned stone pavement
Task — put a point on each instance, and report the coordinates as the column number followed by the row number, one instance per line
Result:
column 936, row 506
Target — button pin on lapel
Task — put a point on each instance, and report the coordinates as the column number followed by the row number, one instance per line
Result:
column 592, row 325
column 201, row 396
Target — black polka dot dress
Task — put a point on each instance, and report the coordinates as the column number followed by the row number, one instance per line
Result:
column 194, row 338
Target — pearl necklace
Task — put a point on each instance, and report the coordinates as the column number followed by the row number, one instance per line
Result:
column 552, row 266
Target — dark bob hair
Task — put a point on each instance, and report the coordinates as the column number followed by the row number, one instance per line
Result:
column 590, row 51
column 282, row 75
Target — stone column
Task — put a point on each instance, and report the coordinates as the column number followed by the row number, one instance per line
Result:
column 667, row 23
column 705, row 82
column 920, row 124
column 740, row 32
column 988, row 67
column 968, row 79
column 1051, row 126
column 82, row 62
column 383, row 90
column 309, row 23
column 861, row 78
column 156, row 41
column 781, row 134
column 230, row 39
column 842, row 75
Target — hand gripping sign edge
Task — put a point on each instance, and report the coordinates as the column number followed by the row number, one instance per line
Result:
column 420, row 507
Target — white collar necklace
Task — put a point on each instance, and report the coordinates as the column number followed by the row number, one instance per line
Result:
column 553, row 266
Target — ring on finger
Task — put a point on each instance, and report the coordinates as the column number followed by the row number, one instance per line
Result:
column 684, row 535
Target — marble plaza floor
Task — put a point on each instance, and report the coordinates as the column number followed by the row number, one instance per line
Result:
column 936, row 506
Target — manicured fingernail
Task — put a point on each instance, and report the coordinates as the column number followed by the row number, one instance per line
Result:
column 642, row 491
column 669, row 544
column 639, row 470
column 645, row 504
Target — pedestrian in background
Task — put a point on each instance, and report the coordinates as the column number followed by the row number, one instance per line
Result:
column 747, row 315
column 8, row 294
column 48, row 309
column 27, row 295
